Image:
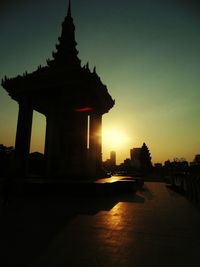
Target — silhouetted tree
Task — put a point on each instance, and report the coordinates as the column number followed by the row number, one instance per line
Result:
column 178, row 165
column 195, row 165
column 145, row 159
column 196, row 159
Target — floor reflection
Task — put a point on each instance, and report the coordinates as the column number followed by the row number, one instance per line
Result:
column 113, row 179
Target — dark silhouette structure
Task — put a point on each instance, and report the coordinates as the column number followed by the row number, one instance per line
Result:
column 36, row 164
column 6, row 154
column 135, row 154
column 145, row 158
column 113, row 158
column 110, row 164
column 141, row 158
column 73, row 99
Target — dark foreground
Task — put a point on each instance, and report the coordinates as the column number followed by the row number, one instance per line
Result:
column 154, row 226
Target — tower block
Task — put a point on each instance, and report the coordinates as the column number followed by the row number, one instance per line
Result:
column 73, row 100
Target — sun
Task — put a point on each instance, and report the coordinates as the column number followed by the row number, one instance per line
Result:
column 113, row 138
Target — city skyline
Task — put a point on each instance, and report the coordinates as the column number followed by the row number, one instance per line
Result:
column 147, row 57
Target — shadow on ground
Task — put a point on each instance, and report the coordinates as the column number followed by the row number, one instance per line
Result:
column 29, row 222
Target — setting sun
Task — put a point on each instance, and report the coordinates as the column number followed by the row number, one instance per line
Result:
column 114, row 138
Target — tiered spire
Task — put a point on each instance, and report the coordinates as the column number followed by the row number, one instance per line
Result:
column 69, row 9
column 67, row 54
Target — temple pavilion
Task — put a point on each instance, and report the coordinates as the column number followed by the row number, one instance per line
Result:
column 73, row 100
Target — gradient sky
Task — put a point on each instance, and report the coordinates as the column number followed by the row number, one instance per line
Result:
column 146, row 52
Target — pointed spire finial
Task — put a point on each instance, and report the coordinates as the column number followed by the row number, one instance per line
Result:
column 66, row 53
column 69, row 9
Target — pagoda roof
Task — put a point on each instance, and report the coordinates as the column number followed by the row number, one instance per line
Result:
column 62, row 79
column 77, row 87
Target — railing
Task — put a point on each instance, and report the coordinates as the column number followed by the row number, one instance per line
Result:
column 187, row 184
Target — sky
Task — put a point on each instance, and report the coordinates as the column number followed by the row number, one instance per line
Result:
column 146, row 52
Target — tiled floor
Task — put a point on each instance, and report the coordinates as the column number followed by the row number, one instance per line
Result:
column 155, row 227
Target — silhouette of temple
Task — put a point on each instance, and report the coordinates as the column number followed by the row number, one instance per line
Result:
column 73, row 100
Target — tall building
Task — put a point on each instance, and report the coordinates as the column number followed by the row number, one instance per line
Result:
column 135, row 154
column 113, row 158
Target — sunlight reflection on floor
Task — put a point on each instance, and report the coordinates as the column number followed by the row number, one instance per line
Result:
column 111, row 179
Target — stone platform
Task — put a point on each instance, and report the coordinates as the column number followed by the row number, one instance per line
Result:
column 154, row 227
column 71, row 187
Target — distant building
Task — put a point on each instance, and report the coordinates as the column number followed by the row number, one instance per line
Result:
column 135, row 157
column 110, row 164
column 127, row 163
column 141, row 158
column 113, row 158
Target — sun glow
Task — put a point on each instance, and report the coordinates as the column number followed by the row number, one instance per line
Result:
column 114, row 138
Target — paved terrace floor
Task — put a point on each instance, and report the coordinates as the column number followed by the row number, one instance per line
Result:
column 155, row 227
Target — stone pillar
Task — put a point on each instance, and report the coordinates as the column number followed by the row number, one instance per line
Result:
column 66, row 143
column 75, row 141
column 48, row 149
column 23, row 137
column 52, row 143
column 95, row 144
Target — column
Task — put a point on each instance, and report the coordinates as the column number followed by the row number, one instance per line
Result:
column 95, row 146
column 74, row 139
column 23, row 137
column 48, row 150
column 82, row 142
column 52, row 143
column 66, row 143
